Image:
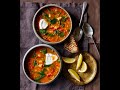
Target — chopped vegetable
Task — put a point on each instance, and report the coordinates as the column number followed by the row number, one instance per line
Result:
column 50, row 34
column 49, row 10
column 68, row 30
column 59, row 33
column 34, row 54
column 40, row 77
column 47, row 65
column 44, row 51
column 46, row 16
column 58, row 60
column 42, row 31
column 63, row 25
column 63, row 18
column 53, row 21
column 42, row 74
column 35, row 63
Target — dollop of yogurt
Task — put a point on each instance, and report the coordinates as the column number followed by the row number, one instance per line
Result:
column 50, row 58
column 43, row 24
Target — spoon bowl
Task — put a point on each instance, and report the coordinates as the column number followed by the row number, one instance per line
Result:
column 88, row 31
column 78, row 32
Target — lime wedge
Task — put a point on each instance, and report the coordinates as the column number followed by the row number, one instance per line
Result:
column 74, row 74
column 83, row 67
column 68, row 60
column 79, row 61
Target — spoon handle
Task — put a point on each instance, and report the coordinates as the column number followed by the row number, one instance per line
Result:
column 83, row 10
column 96, row 47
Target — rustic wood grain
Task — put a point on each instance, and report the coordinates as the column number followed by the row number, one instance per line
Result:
column 95, row 85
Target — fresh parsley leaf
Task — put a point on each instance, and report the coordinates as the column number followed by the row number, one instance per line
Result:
column 63, row 18
column 59, row 33
column 47, row 65
column 50, row 34
column 40, row 77
column 68, row 30
column 35, row 63
column 53, row 21
column 46, row 16
column 42, row 31
column 42, row 74
column 44, row 51
column 50, row 11
column 34, row 55
column 37, row 79
column 63, row 25
column 58, row 60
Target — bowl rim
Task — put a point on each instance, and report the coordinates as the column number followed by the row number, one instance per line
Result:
column 33, row 22
column 28, row 51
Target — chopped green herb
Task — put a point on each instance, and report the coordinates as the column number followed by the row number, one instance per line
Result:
column 34, row 55
column 47, row 65
column 42, row 74
column 53, row 21
column 42, row 31
column 58, row 60
column 59, row 13
column 63, row 18
column 50, row 34
column 49, row 10
column 35, row 63
column 68, row 30
column 46, row 16
column 37, row 79
column 44, row 51
column 59, row 33
column 63, row 25
column 40, row 77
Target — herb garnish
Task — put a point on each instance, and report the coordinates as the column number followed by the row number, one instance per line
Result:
column 35, row 63
column 53, row 21
column 59, row 33
column 34, row 55
column 42, row 31
column 42, row 74
column 44, row 51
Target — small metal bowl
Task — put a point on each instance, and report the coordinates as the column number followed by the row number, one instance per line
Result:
column 24, row 59
column 34, row 20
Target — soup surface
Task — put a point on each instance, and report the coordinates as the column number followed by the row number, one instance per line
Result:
column 57, row 24
column 43, row 64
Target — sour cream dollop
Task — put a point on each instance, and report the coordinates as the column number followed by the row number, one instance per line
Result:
column 43, row 24
column 50, row 58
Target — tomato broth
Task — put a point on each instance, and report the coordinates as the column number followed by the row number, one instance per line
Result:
column 59, row 24
column 36, row 68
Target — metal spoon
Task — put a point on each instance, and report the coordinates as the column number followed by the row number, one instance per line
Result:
column 78, row 32
column 88, row 31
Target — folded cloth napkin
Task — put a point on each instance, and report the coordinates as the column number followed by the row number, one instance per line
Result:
column 28, row 39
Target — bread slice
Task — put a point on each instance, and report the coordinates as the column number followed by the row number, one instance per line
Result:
column 71, row 45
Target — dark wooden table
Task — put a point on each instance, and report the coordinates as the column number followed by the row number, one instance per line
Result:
column 94, row 21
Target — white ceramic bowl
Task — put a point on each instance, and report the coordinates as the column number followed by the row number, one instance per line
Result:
column 24, row 59
column 34, row 19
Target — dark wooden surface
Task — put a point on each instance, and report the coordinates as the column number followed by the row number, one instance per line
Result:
column 94, row 21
